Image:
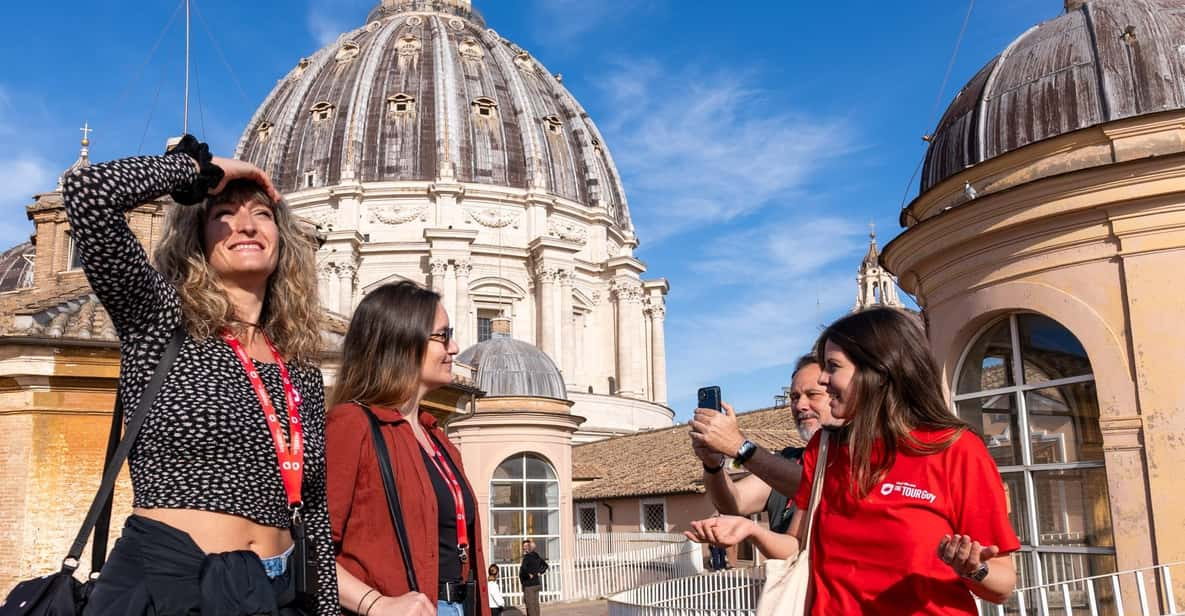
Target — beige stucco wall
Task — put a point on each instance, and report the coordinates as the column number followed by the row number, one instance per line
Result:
column 1101, row 251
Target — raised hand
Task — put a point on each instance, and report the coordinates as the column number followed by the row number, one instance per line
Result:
column 724, row 531
column 235, row 169
column 717, row 431
column 963, row 554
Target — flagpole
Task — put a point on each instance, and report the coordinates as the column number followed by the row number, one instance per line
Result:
column 185, row 120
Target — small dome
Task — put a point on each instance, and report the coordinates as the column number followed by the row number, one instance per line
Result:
column 16, row 267
column 1101, row 61
column 507, row 367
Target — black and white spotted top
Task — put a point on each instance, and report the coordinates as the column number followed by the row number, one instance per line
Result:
column 205, row 443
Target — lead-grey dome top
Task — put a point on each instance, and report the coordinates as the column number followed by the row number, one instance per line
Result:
column 511, row 368
column 426, row 91
column 1103, row 60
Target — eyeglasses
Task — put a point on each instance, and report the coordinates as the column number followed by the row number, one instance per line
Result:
column 443, row 336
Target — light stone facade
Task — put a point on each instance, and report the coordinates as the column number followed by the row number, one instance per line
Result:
column 497, row 191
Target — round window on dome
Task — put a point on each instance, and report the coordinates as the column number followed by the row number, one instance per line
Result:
column 554, row 124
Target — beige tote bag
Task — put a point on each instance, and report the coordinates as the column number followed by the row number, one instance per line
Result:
column 787, row 582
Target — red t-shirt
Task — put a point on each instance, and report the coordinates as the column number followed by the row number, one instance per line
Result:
column 879, row 555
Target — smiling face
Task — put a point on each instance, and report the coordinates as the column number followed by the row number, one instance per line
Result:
column 809, row 402
column 436, row 370
column 836, row 377
column 242, row 241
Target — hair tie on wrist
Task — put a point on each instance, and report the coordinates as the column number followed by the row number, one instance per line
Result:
column 209, row 174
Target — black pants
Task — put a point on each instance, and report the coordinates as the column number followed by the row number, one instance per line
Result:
column 156, row 569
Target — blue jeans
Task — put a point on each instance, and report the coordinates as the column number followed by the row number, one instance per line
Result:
column 445, row 608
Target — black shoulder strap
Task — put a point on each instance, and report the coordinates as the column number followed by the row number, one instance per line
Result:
column 98, row 517
column 384, row 460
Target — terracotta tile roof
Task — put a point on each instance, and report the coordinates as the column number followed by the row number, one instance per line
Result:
column 661, row 461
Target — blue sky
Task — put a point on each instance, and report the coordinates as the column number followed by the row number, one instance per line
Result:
column 757, row 140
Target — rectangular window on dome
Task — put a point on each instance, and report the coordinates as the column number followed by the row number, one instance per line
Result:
column 73, row 257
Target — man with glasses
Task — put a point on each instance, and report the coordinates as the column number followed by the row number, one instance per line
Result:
column 773, row 477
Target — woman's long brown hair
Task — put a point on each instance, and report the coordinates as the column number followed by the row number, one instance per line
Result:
column 384, row 346
column 896, row 388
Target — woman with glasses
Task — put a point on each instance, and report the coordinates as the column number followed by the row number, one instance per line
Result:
column 399, row 347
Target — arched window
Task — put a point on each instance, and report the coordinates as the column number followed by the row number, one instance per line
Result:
column 524, row 503
column 1026, row 384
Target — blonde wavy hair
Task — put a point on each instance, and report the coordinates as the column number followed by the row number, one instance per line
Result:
column 292, row 315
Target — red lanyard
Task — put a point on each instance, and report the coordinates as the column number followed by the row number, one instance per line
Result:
column 454, row 486
column 291, row 458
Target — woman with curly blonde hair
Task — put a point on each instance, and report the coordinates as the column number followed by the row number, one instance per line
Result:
column 228, row 470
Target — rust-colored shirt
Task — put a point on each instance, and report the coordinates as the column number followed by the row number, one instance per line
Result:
column 363, row 535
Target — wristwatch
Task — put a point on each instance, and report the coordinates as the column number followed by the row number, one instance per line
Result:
column 979, row 574
column 746, row 451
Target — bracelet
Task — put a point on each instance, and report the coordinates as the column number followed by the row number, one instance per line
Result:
column 376, row 600
column 712, row 471
column 364, row 596
column 209, row 174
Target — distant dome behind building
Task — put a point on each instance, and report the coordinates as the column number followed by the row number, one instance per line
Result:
column 1101, row 61
column 509, row 367
column 374, row 106
column 16, row 267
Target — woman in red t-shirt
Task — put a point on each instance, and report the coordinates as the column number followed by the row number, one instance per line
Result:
column 913, row 514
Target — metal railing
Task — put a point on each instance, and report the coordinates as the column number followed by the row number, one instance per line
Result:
column 609, row 563
column 723, row 593
column 1152, row 591
column 1147, row 592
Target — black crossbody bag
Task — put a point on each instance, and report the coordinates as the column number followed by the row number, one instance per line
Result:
column 60, row 593
column 396, row 512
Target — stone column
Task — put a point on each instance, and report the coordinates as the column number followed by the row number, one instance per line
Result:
column 437, row 266
column 545, row 282
column 464, row 323
column 628, row 294
column 327, row 278
column 450, row 292
column 657, row 311
column 346, row 274
column 567, row 328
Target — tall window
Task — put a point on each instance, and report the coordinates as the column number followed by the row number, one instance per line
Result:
column 524, row 503
column 73, row 257
column 1027, row 385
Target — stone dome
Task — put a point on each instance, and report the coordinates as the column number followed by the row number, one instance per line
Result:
column 510, row 368
column 1101, row 61
column 16, row 267
column 375, row 105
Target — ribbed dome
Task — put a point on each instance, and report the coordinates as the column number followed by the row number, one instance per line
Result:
column 422, row 92
column 509, row 367
column 16, row 267
column 1101, row 61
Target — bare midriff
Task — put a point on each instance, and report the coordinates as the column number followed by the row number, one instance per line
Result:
column 221, row 532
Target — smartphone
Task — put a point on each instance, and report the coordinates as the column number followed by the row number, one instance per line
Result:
column 709, row 398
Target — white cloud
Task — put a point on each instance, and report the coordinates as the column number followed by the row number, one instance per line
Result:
column 20, row 178
column 327, row 19
column 563, row 21
column 699, row 147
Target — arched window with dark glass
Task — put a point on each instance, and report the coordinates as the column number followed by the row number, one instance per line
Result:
column 524, row 504
column 1025, row 383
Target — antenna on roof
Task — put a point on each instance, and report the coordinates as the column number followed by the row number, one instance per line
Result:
column 185, row 118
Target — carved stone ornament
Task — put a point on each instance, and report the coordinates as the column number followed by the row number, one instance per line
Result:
column 415, row 20
column 464, row 267
column 397, row 214
column 409, row 46
column 548, row 273
column 595, row 298
column 326, row 220
column 456, row 24
column 438, row 266
column 523, row 61
column 493, row 218
column 569, row 231
column 627, row 290
column 656, row 309
column 470, row 49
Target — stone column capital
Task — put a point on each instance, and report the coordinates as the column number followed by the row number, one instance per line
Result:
column 438, row 266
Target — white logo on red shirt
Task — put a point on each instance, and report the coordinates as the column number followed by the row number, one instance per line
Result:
column 907, row 490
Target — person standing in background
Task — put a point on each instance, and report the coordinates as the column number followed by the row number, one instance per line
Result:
column 497, row 601
column 530, row 573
